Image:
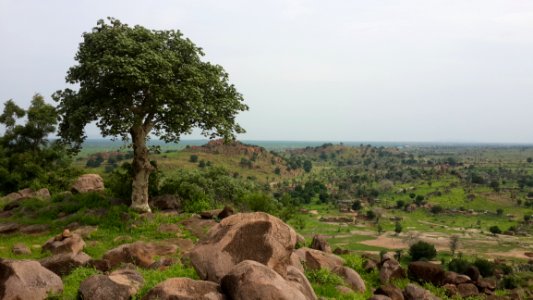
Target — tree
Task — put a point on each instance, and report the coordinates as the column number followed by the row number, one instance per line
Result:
column 135, row 82
column 356, row 205
column 398, row 228
column 308, row 165
column 454, row 244
column 193, row 158
column 495, row 230
column 421, row 250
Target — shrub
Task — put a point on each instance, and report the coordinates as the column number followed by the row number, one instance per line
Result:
column 495, row 229
column 193, row 158
column 400, row 204
column 258, row 201
column 485, row 267
column 421, row 250
column 370, row 214
column 356, row 205
column 459, row 265
column 437, row 209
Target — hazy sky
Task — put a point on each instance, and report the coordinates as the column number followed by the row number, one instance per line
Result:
column 373, row 70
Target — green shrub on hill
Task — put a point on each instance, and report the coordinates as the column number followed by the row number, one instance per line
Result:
column 422, row 250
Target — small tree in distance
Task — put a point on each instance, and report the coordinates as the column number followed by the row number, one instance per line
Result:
column 422, row 250
column 135, row 82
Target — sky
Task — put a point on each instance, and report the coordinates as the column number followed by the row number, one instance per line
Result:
column 373, row 70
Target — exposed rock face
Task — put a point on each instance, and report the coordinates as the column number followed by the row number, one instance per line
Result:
column 295, row 262
column 486, row 284
column 185, row 289
column 426, row 272
column 119, row 285
column 252, row 236
column 297, row 279
column 138, row 253
column 390, row 269
column 467, row 290
column 28, row 193
column 414, row 292
column 450, row 289
column 28, row 280
column 64, row 263
column 34, row 228
column 165, row 202
column 369, row 265
column 351, row 278
column 316, row 260
column 319, row 243
column 20, row 249
column 65, row 242
column 390, row 291
column 88, row 183
column 253, row 280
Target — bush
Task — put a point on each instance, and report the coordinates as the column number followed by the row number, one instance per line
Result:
column 437, row 209
column 495, row 229
column 370, row 214
column 421, row 250
column 459, row 265
column 356, row 205
column 400, row 204
column 258, row 201
column 193, row 158
column 485, row 267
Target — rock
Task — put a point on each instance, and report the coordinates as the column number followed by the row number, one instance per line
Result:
column 185, row 289
column 119, row 285
column 319, row 243
column 316, row 260
column 390, row 269
column 388, row 256
column 101, row 265
column 351, row 278
column 343, row 289
column 171, row 228
column 297, row 279
column 370, row 265
column 6, row 228
column 486, row 283
column 295, row 262
column 450, row 289
column 473, row 273
column 300, row 240
column 20, row 249
column 199, row 227
column 64, row 263
column 11, row 205
column 12, row 196
column 340, row 251
column 139, row 253
column 26, row 193
column 454, row 278
column 253, row 280
column 34, row 228
column 42, row 193
column 251, row 236
column 467, row 290
column 379, row 297
column 390, row 291
column 210, row 214
column 85, row 231
column 426, row 272
column 165, row 202
column 226, row 212
column 28, row 280
column 88, row 183
column 414, row 292
column 65, row 242
column 184, row 245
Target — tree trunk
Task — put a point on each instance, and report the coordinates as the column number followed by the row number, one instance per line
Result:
column 141, row 170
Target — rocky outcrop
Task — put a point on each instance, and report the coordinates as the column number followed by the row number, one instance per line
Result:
column 390, row 269
column 467, row 290
column 64, row 263
column 28, row 193
column 415, row 292
column 473, row 273
column 390, row 291
column 28, row 280
column 185, row 289
column 20, row 249
column 119, row 285
column 165, row 202
column 319, row 243
column 454, row 278
column 422, row 271
column 316, row 260
column 66, row 242
column 88, row 183
column 253, row 280
column 252, row 236
column 297, row 279
column 139, row 253
column 351, row 278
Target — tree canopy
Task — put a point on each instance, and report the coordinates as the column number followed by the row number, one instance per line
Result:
column 134, row 82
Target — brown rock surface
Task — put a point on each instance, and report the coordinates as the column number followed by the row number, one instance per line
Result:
column 139, row 253
column 88, row 183
column 351, row 278
column 185, row 289
column 390, row 291
column 415, row 292
column 253, row 280
column 66, row 242
column 426, row 272
column 390, row 269
column 119, row 285
column 319, row 243
column 467, row 290
column 316, row 260
column 20, row 249
column 252, row 236
column 28, row 280
column 64, row 263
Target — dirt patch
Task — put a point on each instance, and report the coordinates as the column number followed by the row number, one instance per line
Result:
column 512, row 253
column 387, row 242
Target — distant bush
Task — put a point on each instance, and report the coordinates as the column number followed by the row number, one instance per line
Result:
column 459, row 265
column 258, row 201
column 495, row 230
column 193, row 158
column 370, row 214
column 400, row 204
column 356, row 205
column 421, row 250
column 436, row 209
column 485, row 267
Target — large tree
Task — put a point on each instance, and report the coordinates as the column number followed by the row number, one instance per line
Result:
column 135, row 82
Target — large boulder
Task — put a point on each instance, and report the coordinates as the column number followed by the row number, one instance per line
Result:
column 6, row 228
column 473, row 273
column 119, row 285
column 423, row 271
column 319, row 243
column 454, row 278
column 415, row 292
column 467, row 290
column 66, row 242
column 252, row 236
column 390, row 291
column 165, row 202
column 351, row 278
column 316, row 260
column 88, row 183
column 28, row 280
column 297, row 279
column 390, row 269
column 185, row 289
column 139, row 253
column 20, row 249
column 252, row 280
column 64, row 263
